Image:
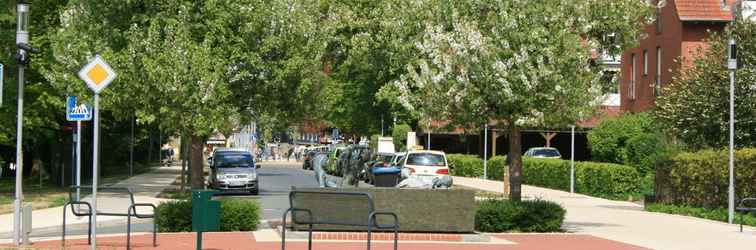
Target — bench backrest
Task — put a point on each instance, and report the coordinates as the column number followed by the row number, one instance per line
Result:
column 332, row 208
column 748, row 203
column 110, row 200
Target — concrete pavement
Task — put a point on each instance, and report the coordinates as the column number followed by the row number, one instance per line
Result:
column 627, row 222
column 145, row 186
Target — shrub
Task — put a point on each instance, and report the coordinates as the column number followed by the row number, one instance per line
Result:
column 641, row 151
column 472, row 166
column 235, row 215
column 465, row 165
column 609, row 140
column 605, row 180
column 524, row 216
column 719, row 214
column 701, row 179
column 399, row 133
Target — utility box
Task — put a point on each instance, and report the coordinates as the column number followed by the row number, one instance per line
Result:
column 205, row 211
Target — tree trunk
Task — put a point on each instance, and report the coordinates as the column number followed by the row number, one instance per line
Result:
column 149, row 147
column 197, row 163
column 515, row 162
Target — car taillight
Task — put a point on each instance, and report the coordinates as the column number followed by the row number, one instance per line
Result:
column 442, row 171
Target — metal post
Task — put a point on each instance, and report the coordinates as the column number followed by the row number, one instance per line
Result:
column 485, row 153
column 731, row 163
column 19, row 158
column 429, row 133
column 572, row 160
column 95, row 166
column 78, row 160
column 131, row 148
column 381, row 125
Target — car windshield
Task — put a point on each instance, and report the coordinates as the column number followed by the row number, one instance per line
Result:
column 233, row 160
column 546, row 153
column 426, row 159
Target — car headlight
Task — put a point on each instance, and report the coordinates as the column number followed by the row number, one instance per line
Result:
column 222, row 176
column 252, row 176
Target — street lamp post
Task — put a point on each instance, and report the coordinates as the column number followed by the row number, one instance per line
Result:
column 732, row 65
column 22, row 41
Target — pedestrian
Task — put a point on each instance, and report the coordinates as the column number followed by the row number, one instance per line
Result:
column 291, row 151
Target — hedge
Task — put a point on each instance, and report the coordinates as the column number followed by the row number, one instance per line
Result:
column 235, row 215
column 719, row 214
column 472, row 166
column 701, row 179
column 606, row 180
column 524, row 216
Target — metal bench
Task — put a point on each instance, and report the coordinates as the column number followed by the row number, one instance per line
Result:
column 119, row 194
column 336, row 208
column 747, row 205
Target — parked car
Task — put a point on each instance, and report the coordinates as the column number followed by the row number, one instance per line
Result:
column 425, row 164
column 233, row 170
column 543, row 152
column 380, row 160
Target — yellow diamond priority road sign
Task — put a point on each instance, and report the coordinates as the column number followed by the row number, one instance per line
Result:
column 97, row 74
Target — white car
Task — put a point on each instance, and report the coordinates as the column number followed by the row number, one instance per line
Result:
column 542, row 152
column 425, row 164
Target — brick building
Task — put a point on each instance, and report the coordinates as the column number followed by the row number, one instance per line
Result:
column 672, row 42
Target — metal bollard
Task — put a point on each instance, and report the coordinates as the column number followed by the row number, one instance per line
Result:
column 26, row 223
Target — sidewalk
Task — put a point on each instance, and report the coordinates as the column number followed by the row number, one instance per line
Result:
column 627, row 222
column 145, row 186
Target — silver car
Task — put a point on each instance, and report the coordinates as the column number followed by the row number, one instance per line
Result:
column 233, row 170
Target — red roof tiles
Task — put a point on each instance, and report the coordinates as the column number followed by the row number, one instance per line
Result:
column 704, row 10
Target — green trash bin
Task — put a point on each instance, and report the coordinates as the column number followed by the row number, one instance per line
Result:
column 205, row 213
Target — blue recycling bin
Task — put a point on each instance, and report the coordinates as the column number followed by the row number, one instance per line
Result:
column 386, row 176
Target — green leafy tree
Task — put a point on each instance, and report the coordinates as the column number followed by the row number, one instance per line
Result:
column 517, row 62
column 399, row 133
column 694, row 108
column 194, row 67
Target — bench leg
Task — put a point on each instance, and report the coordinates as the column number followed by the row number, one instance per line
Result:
column 741, row 222
column 63, row 237
column 369, row 232
column 283, row 230
column 309, row 238
column 154, row 230
column 128, row 231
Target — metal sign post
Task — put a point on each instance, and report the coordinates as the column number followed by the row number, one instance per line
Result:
column 97, row 74
column 77, row 113
column 485, row 152
column 572, row 160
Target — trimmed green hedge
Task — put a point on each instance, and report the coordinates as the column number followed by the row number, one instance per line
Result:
column 701, row 179
column 606, row 180
column 472, row 166
column 235, row 215
column 719, row 214
column 524, row 216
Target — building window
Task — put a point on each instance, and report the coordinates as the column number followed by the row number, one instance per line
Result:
column 633, row 73
column 657, row 79
column 645, row 62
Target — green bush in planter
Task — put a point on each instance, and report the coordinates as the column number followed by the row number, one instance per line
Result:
column 524, row 216
column 235, row 215
column 465, row 165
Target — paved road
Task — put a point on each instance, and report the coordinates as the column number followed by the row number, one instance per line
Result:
column 276, row 180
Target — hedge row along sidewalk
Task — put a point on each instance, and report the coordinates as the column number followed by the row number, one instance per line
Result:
column 605, row 180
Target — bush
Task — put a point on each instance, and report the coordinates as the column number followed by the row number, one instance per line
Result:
column 719, row 214
column 472, row 166
column 641, row 152
column 604, row 180
column 701, row 179
column 524, row 216
column 465, row 165
column 399, row 133
column 235, row 215
column 609, row 140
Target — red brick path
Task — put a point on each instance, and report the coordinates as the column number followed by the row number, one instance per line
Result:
column 246, row 241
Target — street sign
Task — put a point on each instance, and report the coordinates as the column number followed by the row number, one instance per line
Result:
column 97, row 74
column 77, row 112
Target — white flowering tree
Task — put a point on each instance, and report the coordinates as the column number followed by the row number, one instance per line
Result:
column 517, row 62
